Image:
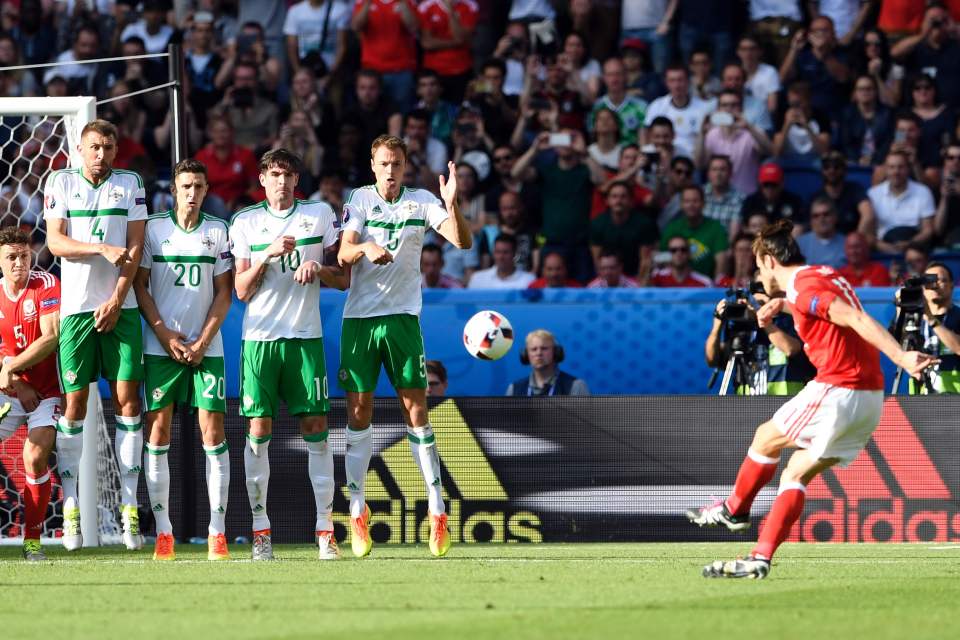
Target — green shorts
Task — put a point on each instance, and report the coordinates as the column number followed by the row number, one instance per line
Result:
column 168, row 381
column 393, row 341
column 291, row 369
column 86, row 355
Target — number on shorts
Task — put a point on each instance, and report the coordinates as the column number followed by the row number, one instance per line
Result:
column 212, row 383
column 321, row 386
column 423, row 366
column 192, row 274
column 290, row 261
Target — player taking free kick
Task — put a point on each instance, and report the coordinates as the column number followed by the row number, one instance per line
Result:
column 95, row 218
column 830, row 420
column 184, row 289
column 29, row 326
column 383, row 228
column 279, row 247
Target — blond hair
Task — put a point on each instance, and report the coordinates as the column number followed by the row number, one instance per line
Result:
column 390, row 142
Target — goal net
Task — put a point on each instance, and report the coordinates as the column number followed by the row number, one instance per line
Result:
column 39, row 136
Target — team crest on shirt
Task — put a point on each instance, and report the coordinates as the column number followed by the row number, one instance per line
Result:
column 411, row 207
column 343, row 374
column 247, row 401
column 207, row 242
column 70, row 376
column 158, row 394
column 29, row 309
column 306, row 224
column 116, row 195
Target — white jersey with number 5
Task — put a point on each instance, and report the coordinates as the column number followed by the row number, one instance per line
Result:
column 398, row 227
column 182, row 267
column 281, row 308
column 94, row 214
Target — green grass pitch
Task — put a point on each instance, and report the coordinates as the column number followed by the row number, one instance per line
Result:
column 482, row 591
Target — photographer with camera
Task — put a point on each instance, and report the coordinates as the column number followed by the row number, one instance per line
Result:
column 772, row 360
column 928, row 319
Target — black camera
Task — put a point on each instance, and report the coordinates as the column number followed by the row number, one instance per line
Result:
column 738, row 318
column 911, row 293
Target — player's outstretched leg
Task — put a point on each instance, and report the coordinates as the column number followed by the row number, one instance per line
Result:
column 320, row 470
column 129, row 450
column 423, row 446
column 158, row 487
column 218, row 488
column 256, row 464
column 69, row 450
column 357, row 462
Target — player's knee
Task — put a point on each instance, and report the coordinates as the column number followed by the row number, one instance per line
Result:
column 36, row 450
column 360, row 415
column 313, row 424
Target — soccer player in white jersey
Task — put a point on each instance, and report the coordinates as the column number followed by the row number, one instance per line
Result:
column 95, row 217
column 383, row 228
column 282, row 249
column 184, row 288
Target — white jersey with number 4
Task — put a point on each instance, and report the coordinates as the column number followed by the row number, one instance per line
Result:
column 94, row 214
column 182, row 267
column 282, row 308
column 398, row 227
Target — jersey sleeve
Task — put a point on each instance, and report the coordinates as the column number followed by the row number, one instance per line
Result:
column 54, row 200
column 239, row 245
column 49, row 297
column 224, row 261
column 434, row 212
column 331, row 228
column 146, row 256
column 137, row 208
column 354, row 215
column 814, row 297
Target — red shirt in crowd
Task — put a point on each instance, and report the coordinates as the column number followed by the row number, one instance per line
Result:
column 20, row 327
column 874, row 274
column 841, row 356
column 641, row 198
column 541, row 283
column 385, row 44
column 127, row 150
column 232, row 177
column 665, row 278
column 435, row 20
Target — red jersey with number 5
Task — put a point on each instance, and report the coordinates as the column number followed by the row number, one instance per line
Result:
column 20, row 327
column 841, row 356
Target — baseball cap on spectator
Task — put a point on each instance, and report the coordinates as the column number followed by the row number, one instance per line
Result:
column 770, row 172
column 633, row 44
column 480, row 162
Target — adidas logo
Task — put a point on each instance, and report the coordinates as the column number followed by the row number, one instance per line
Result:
column 376, row 209
column 220, row 509
column 478, row 507
column 892, row 492
column 158, row 507
column 353, row 486
column 258, row 508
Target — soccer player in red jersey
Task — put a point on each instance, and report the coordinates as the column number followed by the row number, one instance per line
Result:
column 830, row 420
column 29, row 329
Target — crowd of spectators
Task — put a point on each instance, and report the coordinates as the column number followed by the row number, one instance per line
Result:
column 597, row 143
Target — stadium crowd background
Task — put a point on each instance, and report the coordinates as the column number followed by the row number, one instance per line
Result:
column 578, row 129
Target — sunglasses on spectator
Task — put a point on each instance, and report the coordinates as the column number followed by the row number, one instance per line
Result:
column 503, row 158
column 952, row 156
column 681, row 171
column 820, row 214
column 923, row 87
column 678, row 249
column 833, row 164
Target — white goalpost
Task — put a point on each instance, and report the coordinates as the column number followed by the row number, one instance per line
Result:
column 38, row 136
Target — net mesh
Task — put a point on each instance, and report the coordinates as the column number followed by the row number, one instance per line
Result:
column 31, row 147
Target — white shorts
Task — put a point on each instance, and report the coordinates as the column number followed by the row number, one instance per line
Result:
column 45, row 415
column 829, row 421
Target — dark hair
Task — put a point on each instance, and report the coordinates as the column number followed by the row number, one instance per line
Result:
column 921, row 247
column 735, row 65
column 732, row 92
column 507, row 238
column 428, row 73
column 491, row 63
column 925, row 77
column 613, row 113
column 252, row 24
column 907, row 114
column 720, row 156
column 332, row 172
column 610, row 252
column 676, row 66
column 188, row 165
column 619, row 183
column 677, row 160
column 936, row 264
column 370, row 73
column 282, row 159
column 693, row 187
column 432, row 248
column 417, row 114
column 661, row 121
column 743, row 235
column 824, row 201
column 776, row 240
column 436, row 368
column 13, row 235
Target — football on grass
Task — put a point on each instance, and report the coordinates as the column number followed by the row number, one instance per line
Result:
column 488, row 335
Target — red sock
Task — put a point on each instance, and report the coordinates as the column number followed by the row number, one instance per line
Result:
column 785, row 511
column 36, row 497
column 755, row 472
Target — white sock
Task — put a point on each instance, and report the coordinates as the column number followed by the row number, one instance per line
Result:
column 218, row 486
column 423, row 445
column 320, row 469
column 158, row 485
column 129, row 449
column 357, row 462
column 256, row 464
column 69, row 450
